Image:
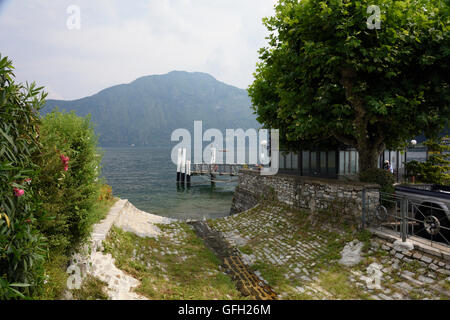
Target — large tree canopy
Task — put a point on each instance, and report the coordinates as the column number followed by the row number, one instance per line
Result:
column 326, row 75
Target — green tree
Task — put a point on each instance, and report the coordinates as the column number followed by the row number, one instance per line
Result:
column 436, row 169
column 326, row 76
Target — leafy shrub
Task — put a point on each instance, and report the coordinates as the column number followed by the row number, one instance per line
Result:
column 436, row 169
column 68, row 181
column 21, row 245
column 49, row 187
column 380, row 176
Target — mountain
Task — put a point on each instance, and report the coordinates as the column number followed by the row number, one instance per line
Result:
column 146, row 111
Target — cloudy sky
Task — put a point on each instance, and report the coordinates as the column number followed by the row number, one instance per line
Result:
column 119, row 41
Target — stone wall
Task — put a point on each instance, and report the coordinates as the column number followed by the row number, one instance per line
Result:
column 300, row 192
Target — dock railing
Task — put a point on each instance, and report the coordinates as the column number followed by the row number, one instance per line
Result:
column 186, row 169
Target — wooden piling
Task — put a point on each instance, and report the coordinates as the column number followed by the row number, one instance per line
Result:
column 188, row 173
column 179, row 166
column 183, row 166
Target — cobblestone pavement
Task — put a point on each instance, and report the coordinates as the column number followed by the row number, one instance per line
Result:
column 300, row 259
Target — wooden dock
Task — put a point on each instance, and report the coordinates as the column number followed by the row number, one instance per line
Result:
column 186, row 170
column 216, row 169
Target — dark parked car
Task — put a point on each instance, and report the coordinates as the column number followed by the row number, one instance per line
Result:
column 429, row 207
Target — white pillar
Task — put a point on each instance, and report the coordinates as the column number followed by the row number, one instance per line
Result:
column 179, row 159
column 213, row 155
column 188, row 167
column 183, row 161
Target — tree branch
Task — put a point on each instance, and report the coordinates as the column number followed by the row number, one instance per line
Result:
column 347, row 141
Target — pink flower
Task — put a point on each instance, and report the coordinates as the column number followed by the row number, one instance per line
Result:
column 18, row 192
column 64, row 159
column 65, row 162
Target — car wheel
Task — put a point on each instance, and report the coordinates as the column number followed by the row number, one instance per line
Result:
column 433, row 224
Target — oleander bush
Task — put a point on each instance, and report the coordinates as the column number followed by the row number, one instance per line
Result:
column 68, row 182
column 22, row 246
column 50, row 191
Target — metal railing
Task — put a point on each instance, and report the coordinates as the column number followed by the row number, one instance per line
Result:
column 396, row 214
column 220, row 169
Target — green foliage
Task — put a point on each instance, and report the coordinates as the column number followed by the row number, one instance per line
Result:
column 436, row 169
column 68, row 196
column 380, row 176
column 21, row 245
column 55, row 277
column 326, row 76
column 49, row 189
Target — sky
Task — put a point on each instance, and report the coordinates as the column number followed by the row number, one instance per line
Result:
column 119, row 41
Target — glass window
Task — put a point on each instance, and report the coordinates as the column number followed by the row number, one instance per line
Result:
column 305, row 162
column 281, row 160
column 394, row 159
column 403, row 159
column 289, row 160
column 352, row 162
column 357, row 161
column 347, row 163
column 323, row 162
column 331, row 162
column 313, row 162
column 294, row 161
column 342, row 162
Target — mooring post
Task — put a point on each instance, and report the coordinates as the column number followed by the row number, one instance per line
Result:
column 183, row 166
column 213, row 162
column 179, row 166
column 188, row 173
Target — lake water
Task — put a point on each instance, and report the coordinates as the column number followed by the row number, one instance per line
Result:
column 147, row 178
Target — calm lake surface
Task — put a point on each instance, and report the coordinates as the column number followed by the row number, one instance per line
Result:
column 147, row 178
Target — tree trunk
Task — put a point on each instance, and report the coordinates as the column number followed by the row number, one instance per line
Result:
column 368, row 158
column 368, row 144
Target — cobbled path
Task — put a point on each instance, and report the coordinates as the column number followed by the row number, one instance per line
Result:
column 300, row 259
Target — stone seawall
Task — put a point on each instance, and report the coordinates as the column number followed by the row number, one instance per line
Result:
column 301, row 192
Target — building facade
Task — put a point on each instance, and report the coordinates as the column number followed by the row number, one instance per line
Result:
column 335, row 164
